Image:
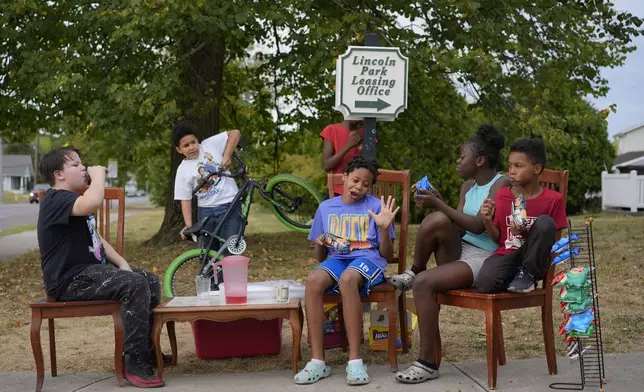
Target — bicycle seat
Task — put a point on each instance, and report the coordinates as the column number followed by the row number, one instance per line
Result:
column 196, row 228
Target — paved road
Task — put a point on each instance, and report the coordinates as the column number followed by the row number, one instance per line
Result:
column 12, row 215
column 17, row 214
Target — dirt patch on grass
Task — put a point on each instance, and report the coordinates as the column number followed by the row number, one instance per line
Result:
column 277, row 252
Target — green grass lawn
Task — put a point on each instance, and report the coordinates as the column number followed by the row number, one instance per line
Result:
column 11, row 198
column 276, row 252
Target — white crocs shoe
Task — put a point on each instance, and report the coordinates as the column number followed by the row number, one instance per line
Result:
column 357, row 374
column 312, row 373
column 416, row 373
column 403, row 281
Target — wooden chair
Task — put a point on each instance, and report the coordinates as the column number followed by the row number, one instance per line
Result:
column 48, row 309
column 493, row 304
column 385, row 293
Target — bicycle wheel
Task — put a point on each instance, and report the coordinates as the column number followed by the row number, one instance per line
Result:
column 295, row 201
column 180, row 277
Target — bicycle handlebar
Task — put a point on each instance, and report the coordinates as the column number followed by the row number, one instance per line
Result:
column 221, row 172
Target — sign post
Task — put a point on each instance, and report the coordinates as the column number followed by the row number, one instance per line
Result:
column 112, row 171
column 371, row 84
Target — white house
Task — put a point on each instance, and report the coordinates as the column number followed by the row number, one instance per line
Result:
column 630, row 150
column 624, row 187
column 17, row 173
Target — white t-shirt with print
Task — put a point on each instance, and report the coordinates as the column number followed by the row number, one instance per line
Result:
column 211, row 152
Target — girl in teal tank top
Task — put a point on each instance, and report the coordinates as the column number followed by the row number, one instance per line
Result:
column 457, row 239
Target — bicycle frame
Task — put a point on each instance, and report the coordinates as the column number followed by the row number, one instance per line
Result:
column 247, row 189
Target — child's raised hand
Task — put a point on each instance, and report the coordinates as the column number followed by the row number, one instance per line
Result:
column 387, row 212
column 487, row 209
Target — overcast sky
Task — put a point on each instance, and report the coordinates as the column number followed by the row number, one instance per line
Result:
column 627, row 82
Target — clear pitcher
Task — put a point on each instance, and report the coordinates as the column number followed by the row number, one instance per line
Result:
column 235, row 270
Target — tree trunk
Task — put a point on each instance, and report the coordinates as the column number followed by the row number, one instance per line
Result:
column 200, row 101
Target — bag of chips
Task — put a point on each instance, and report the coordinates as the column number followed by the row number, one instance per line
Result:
column 575, row 277
column 519, row 212
column 558, row 277
column 338, row 244
column 580, row 322
column 577, row 307
column 573, row 294
column 587, row 333
column 564, row 243
column 565, row 255
column 424, row 184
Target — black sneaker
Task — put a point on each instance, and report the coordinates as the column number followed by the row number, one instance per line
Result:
column 523, row 282
column 139, row 372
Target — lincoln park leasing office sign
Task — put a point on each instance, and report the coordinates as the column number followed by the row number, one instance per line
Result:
column 371, row 81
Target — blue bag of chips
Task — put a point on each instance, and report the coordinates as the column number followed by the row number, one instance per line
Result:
column 564, row 243
column 565, row 255
column 424, row 184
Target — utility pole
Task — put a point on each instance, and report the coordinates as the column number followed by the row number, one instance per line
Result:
column 1, row 171
column 36, row 170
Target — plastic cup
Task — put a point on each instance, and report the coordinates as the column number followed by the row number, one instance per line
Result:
column 203, row 287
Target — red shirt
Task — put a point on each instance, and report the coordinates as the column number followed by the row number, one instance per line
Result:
column 338, row 136
column 549, row 202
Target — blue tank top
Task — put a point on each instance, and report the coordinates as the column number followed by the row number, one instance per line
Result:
column 473, row 200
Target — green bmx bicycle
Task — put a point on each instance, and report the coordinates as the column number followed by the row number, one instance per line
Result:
column 292, row 200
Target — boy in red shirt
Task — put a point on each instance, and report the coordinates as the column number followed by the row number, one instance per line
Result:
column 523, row 255
column 342, row 142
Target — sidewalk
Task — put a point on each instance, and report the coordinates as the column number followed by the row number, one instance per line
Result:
column 623, row 374
column 17, row 244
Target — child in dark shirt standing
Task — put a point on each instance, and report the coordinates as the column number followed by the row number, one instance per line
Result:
column 523, row 254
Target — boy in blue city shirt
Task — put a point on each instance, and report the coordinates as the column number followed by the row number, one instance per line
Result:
column 354, row 241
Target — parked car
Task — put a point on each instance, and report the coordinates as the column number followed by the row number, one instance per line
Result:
column 33, row 196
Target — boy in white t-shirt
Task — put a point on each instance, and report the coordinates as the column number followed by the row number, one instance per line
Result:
column 214, row 199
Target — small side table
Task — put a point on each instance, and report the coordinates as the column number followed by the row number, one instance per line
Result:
column 186, row 309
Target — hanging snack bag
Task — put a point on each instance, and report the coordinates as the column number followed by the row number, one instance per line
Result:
column 558, row 277
column 574, row 294
column 565, row 255
column 580, row 322
column 587, row 333
column 575, row 277
column 564, row 242
column 577, row 307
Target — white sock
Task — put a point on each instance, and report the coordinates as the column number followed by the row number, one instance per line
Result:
column 317, row 362
column 355, row 361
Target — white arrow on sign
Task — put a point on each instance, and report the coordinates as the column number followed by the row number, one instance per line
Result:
column 371, row 82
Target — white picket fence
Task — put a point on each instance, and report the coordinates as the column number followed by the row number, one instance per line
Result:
column 622, row 191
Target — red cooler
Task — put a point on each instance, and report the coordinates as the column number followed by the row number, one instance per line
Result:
column 240, row 338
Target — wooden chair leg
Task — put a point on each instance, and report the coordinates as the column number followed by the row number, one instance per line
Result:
column 500, row 344
column 343, row 332
column 119, row 341
column 301, row 315
column 402, row 314
column 549, row 336
column 173, row 342
column 393, row 335
column 490, row 343
column 36, row 322
column 52, row 347
column 439, row 349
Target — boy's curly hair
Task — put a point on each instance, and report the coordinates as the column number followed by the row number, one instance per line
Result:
column 534, row 148
column 360, row 162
